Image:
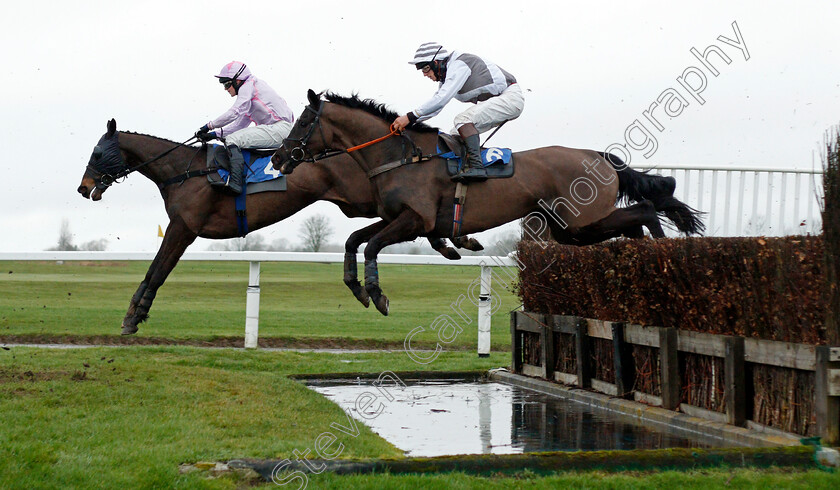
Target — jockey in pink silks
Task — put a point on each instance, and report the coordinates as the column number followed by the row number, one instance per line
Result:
column 255, row 102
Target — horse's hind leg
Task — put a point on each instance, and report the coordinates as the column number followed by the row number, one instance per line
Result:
column 559, row 233
column 651, row 220
column 351, row 247
column 175, row 241
column 634, row 232
column 467, row 243
column 623, row 221
column 406, row 226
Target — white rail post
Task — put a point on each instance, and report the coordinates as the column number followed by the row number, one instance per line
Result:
column 484, row 313
column 768, row 223
column 755, row 203
column 739, row 221
column 713, row 205
column 782, row 206
column 252, row 307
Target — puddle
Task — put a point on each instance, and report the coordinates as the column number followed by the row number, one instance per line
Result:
column 447, row 417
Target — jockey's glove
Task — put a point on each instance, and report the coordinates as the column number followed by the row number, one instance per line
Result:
column 204, row 134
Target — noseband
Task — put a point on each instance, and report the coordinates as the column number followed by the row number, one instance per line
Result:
column 108, row 172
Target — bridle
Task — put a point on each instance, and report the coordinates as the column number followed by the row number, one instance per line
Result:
column 114, row 172
column 301, row 153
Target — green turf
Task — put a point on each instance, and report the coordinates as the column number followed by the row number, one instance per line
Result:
column 700, row 479
column 203, row 300
column 128, row 417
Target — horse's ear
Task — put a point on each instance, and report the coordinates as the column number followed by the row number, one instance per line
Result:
column 314, row 98
column 112, row 127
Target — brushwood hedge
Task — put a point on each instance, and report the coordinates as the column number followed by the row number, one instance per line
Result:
column 769, row 288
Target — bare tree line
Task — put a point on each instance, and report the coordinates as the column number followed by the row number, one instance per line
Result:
column 314, row 236
column 65, row 240
column 314, row 233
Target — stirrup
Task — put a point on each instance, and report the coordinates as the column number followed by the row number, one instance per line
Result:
column 224, row 186
column 472, row 174
column 220, row 183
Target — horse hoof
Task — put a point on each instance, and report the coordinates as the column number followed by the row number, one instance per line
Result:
column 382, row 304
column 468, row 243
column 364, row 300
column 474, row 245
column 129, row 329
column 379, row 299
column 359, row 292
column 450, row 253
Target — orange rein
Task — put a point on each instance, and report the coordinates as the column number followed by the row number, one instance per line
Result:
column 377, row 140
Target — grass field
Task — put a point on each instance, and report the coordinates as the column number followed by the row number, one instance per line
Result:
column 128, row 417
column 206, row 300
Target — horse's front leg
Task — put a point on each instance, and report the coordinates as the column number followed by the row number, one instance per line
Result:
column 467, row 243
column 439, row 245
column 351, row 247
column 132, row 317
column 407, row 226
column 175, row 241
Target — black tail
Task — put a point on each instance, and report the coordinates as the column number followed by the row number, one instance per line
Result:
column 635, row 186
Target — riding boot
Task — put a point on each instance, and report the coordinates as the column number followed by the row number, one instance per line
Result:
column 237, row 171
column 473, row 168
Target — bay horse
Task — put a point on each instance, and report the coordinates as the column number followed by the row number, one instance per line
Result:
column 195, row 209
column 565, row 187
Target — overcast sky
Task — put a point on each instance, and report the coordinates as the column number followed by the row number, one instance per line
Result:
column 589, row 69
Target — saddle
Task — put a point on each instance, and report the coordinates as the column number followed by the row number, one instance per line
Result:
column 260, row 175
column 497, row 161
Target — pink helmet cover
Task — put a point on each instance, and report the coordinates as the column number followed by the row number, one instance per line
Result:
column 231, row 69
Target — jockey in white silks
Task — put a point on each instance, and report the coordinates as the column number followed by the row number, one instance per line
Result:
column 467, row 78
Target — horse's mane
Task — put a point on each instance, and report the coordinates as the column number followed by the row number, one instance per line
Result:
column 375, row 108
column 156, row 137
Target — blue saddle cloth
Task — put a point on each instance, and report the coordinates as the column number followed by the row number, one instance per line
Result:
column 256, row 170
column 497, row 161
column 489, row 156
column 260, row 175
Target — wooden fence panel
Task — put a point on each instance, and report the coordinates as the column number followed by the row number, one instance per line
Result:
column 736, row 354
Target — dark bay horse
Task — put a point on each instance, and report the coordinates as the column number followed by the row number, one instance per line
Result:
column 195, row 209
column 573, row 191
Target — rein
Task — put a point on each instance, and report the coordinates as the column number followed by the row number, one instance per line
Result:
column 127, row 171
column 106, row 180
column 301, row 154
column 405, row 161
column 372, row 142
column 181, row 178
column 334, row 153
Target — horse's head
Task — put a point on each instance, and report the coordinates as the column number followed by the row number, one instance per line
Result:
column 105, row 164
column 307, row 138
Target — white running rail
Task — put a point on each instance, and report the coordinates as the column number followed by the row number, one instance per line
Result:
column 252, row 301
column 750, row 201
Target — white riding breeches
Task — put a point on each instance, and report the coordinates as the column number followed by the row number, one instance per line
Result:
column 492, row 112
column 264, row 136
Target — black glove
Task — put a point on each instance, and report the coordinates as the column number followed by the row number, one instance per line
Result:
column 204, row 134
